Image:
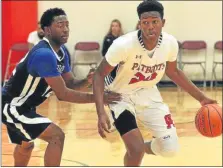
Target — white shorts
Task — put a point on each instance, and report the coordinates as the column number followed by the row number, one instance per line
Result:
column 148, row 107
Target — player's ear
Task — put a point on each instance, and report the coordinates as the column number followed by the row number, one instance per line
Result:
column 47, row 30
column 163, row 22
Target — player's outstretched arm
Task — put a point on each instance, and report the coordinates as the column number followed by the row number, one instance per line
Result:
column 65, row 94
column 72, row 83
column 178, row 77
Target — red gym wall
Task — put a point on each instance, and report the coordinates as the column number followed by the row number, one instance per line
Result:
column 19, row 18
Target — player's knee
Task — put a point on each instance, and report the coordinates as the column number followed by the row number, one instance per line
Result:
column 166, row 146
column 137, row 151
column 27, row 145
column 24, row 149
column 53, row 134
column 58, row 136
column 170, row 153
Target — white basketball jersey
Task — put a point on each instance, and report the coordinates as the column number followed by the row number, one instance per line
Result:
column 137, row 67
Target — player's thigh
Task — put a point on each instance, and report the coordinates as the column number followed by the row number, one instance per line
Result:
column 128, row 129
column 157, row 118
column 52, row 132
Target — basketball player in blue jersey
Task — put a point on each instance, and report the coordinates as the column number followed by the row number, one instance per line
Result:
column 142, row 57
column 44, row 69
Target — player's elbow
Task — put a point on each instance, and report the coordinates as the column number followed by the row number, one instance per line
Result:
column 61, row 96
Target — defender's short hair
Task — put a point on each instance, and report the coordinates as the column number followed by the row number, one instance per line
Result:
column 48, row 16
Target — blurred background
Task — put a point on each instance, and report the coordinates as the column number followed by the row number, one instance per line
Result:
column 90, row 22
column 197, row 25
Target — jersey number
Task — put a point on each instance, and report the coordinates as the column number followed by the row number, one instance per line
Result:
column 140, row 77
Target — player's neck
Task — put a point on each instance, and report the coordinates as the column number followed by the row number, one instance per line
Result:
column 149, row 44
column 55, row 46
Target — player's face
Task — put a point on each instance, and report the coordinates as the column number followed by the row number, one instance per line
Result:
column 151, row 25
column 60, row 29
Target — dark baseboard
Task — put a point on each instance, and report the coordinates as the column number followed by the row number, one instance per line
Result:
column 197, row 83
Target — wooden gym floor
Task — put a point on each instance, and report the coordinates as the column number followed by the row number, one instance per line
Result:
column 84, row 146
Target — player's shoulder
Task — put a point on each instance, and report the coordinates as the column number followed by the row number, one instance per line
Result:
column 170, row 41
column 41, row 50
column 126, row 39
column 42, row 46
column 169, row 37
column 44, row 50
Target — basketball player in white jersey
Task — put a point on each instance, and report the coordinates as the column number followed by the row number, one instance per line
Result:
column 142, row 57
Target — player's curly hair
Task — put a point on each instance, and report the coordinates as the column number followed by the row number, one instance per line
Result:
column 150, row 5
column 48, row 16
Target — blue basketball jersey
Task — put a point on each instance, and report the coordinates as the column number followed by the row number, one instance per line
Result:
column 27, row 86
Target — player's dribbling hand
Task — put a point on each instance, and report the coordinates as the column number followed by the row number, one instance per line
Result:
column 103, row 124
column 111, row 97
column 207, row 100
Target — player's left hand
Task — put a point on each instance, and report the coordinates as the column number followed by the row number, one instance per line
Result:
column 207, row 100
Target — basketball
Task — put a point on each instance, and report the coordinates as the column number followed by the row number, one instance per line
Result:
column 208, row 120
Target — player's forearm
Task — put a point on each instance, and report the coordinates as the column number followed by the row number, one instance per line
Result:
column 181, row 80
column 98, row 90
column 76, row 97
column 77, row 85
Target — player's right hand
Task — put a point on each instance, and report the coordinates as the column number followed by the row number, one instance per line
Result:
column 103, row 124
column 90, row 76
column 111, row 97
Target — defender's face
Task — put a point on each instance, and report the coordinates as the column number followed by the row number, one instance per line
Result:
column 60, row 29
column 151, row 25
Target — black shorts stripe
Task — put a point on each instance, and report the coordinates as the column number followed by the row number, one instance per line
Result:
column 125, row 122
